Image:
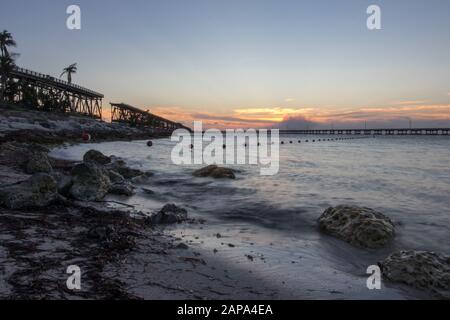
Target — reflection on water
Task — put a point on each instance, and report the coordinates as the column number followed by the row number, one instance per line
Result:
column 406, row 178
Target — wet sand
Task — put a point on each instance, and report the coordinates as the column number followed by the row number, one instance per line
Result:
column 120, row 258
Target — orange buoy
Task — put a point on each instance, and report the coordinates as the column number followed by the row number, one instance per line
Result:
column 86, row 137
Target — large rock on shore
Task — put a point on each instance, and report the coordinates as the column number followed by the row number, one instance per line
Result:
column 129, row 173
column 215, row 172
column 94, row 156
column 31, row 157
column 115, row 177
column 38, row 191
column 170, row 213
column 99, row 175
column 362, row 227
column 119, row 185
column 119, row 166
column 38, row 162
column 14, row 154
column 420, row 269
column 20, row 152
column 90, row 182
column 63, row 182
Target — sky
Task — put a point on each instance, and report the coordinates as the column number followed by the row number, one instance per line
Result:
column 249, row 63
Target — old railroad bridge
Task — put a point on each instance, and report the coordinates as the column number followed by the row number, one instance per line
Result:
column 48, row 93
column 123, row 113
column 51, row 94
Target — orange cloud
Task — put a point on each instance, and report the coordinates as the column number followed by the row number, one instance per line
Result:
column 409, row 102
column 320, row 116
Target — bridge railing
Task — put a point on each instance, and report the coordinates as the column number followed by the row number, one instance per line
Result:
column 53, row 79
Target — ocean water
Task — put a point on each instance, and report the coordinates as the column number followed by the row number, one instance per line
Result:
column 268, row 224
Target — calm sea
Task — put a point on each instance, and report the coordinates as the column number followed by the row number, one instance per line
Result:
column 273, row 218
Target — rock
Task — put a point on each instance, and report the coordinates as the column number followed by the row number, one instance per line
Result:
column 221, row 173
column 419, row 269
column 129, row 173
column 38, row 191
column 96, row 157
column 125, row 189
column 10, row 175
column 117, row 162
column 142, row 178
column 63, row 182
column 182, row 246
column 62, row 164
column 119, row 166
column 361, row 227
column 170, row 213
column 37, row 148
column 115, row 177
column 215, row 172
column 120, row 186
column 90, row 182
column 102, row 233
column 38, row 162
column 12, row 153
column 205, row 172
column 19, row 154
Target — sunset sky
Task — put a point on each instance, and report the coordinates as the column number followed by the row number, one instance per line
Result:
column 250, row 63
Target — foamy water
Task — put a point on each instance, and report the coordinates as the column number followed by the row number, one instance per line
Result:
column 272, row 219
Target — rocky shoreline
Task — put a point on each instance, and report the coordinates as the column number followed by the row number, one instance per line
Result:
column 52, row 215
column 20, row 124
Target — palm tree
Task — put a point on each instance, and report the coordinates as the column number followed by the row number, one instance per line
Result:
column 69, row 71
column 7, row 65
column 6, row 40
